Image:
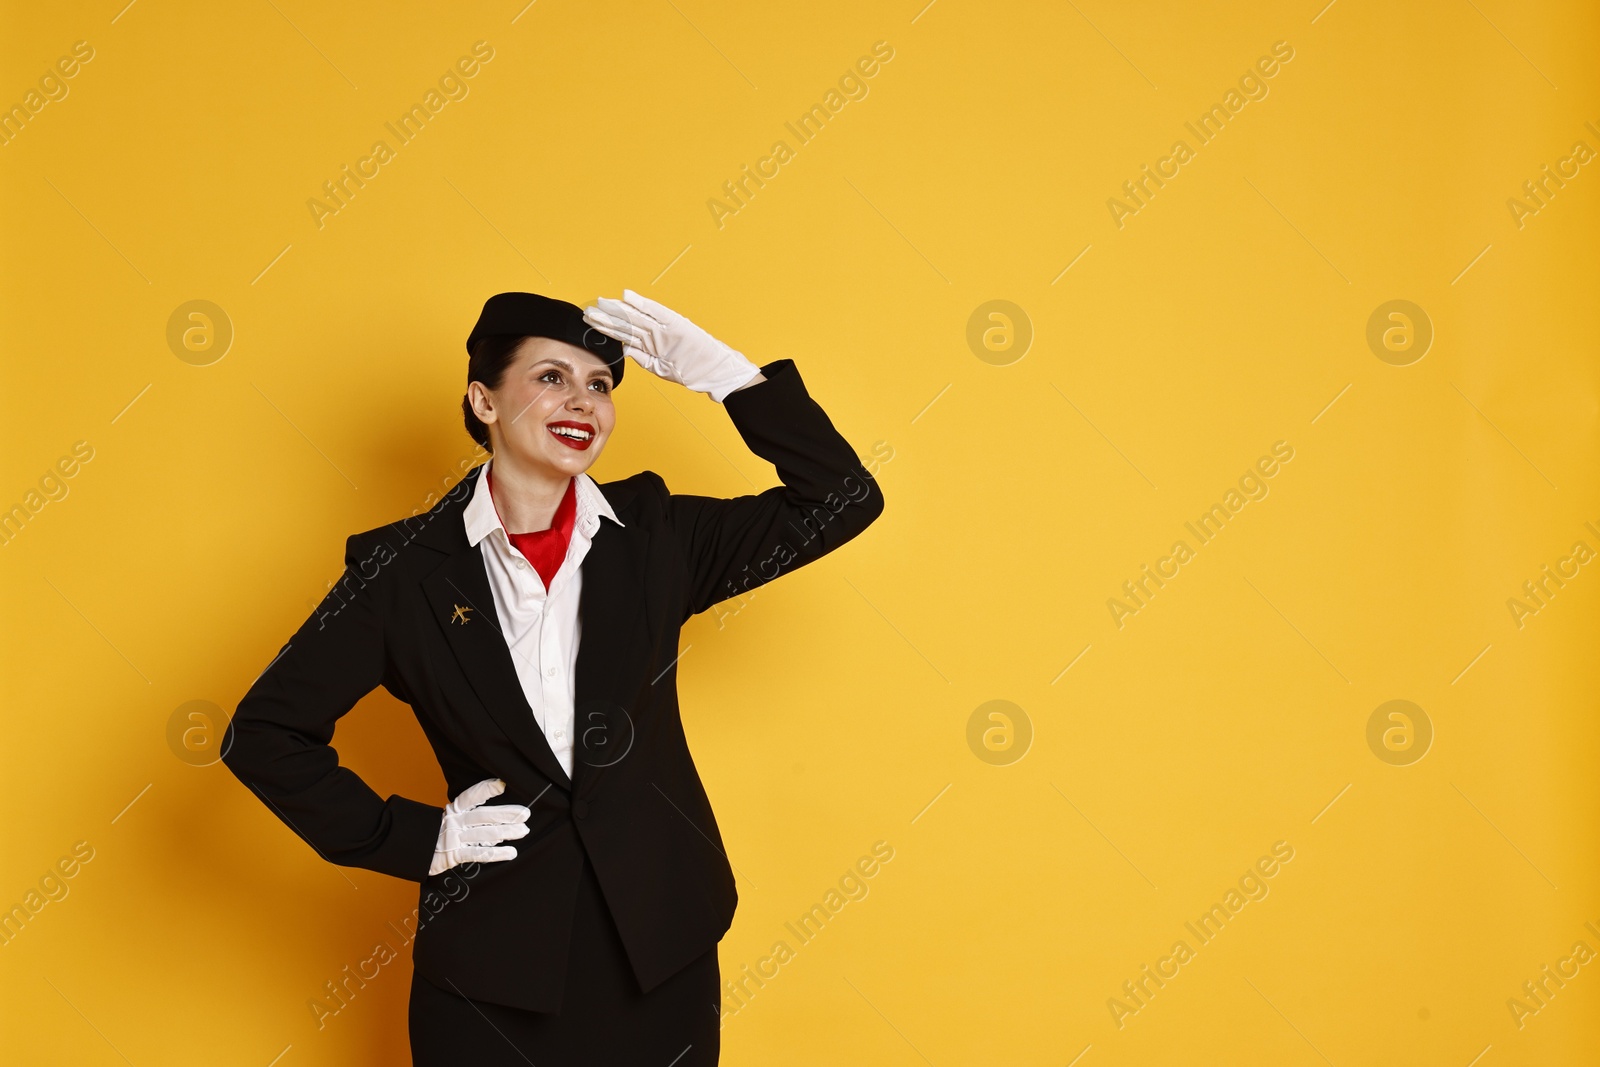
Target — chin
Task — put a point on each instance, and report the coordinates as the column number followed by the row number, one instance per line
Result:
column 578, row 465
column 567, row 461
column 570, row 461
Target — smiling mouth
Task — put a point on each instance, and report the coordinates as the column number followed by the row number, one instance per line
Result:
column 573, row 435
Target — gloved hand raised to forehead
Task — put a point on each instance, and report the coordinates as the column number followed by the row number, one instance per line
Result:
column 669, row 346
column 472, row 833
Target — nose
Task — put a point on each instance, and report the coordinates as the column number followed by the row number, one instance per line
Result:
column 580, row 400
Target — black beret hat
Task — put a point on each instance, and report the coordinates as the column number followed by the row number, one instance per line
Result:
column 541, row 316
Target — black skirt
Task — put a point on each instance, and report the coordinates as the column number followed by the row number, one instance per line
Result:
column 604, row 1018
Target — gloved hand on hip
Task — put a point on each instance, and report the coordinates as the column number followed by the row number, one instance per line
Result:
column 472, row 833
column 668, row 345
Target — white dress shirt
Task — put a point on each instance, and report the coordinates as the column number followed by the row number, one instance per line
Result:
column 541, row 628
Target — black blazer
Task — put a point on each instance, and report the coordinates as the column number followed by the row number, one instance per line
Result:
column 635, row 805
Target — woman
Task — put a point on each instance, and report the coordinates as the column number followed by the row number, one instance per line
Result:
column 573, row 893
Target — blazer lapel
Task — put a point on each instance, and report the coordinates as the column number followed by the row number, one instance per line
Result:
column 481, row 649
column 613, row 645
column 613, row 649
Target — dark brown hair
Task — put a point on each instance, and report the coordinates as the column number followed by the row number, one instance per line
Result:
column 488, row 364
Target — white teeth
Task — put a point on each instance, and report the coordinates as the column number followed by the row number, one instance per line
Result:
column 568, row 431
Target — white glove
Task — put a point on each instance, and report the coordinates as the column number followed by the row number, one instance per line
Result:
column 668, row 345
column 470, row 833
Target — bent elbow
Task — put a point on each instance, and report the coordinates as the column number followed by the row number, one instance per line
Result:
column 858, row 513
column 246, row 742
column 234, row 753
column 871, row 505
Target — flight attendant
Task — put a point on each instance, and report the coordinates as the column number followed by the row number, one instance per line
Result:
column 572, row 894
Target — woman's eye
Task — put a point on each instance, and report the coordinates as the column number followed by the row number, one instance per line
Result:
column 605, row 387
column 550, row 374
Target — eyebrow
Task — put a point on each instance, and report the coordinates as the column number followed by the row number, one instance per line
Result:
column 570, row 369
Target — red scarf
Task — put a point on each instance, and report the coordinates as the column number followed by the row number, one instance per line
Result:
column 545, row 549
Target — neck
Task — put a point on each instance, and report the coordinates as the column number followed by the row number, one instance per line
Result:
column 526, row 497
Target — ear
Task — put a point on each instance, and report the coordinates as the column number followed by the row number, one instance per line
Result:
column 482, row 402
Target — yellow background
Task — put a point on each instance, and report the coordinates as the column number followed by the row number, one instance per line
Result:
column 828, row 713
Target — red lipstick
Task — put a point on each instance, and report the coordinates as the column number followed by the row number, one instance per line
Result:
column 575, row 435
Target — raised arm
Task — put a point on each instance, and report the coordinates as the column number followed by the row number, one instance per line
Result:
column 733, row 545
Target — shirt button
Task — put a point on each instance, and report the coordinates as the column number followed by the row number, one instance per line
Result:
column 550, row 672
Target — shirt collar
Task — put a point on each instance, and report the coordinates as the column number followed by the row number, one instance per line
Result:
column 481, row 518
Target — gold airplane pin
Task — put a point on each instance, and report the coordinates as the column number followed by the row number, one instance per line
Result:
column 460, row 615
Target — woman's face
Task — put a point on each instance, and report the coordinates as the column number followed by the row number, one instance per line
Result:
column 552, row 409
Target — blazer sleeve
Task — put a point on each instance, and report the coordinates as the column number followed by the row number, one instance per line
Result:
column 733, row 545
column 278, row 741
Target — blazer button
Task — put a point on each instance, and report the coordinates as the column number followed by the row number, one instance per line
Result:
column 581, row 808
